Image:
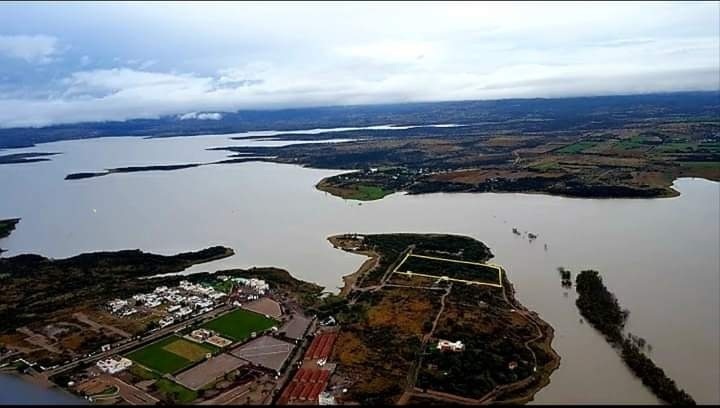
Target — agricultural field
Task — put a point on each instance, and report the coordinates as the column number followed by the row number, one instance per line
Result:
column 578, row 147
column 239, row 324
column 451, row 268
column 170, row 354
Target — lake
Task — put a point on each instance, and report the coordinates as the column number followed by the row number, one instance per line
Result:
column 659, row 256
column 14, row 390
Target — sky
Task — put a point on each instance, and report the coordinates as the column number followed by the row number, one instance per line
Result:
column 83, row 61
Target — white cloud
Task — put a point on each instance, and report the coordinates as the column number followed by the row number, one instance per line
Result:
column 229, row 56
column 201, row 116
column 390, row 51
column 31, row 48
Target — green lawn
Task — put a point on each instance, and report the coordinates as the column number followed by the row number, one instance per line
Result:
column 677, row 147
column 239, row 324
column 175, row 392
column 368, row 193
column 545, row 166
column 143, row 373
column 155, row 357
column 631, row 144
column 221, row 286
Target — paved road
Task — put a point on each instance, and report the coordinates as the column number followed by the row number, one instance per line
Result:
column 127, row 345
column 130, row 393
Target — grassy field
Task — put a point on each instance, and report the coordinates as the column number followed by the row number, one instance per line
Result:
column 143, row 373
column 170, row 354
column 223, row 287
column 175, row 392
column 454, row 270
column 631, row 144
column 368, row 193
column 576, row 147
column 239, row 324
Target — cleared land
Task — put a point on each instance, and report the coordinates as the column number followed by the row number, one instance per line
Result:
column 208, row 371
column 451, row 268
column 240, row 324
column 170, row 354
column 265, row 351
column 265, row 306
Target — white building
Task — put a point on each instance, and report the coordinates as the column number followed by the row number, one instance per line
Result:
column 217, row 295
column 153, row 303
column 201, row 334
column 166, row 321
column 129, row 312
column 447, row 345
column 204, row 304
column 117, row 304
column 173, row 308
column 113, row 366
column 325, row 398
column 183, row 312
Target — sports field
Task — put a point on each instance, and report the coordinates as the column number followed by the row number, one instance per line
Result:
column 239, row 324
column 453, row 269
column 170, row 354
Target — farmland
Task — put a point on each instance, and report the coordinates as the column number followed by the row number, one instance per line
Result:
column 597, row 155
column 240, row 324
column 451, row 269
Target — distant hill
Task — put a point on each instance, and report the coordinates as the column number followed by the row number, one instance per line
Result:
column 546, row 114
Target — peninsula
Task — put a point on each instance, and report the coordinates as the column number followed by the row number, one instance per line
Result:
column 405, row 328
column 428, row 319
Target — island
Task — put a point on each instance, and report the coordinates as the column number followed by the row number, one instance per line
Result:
column 160, row 167
column 600, row 307
column 6, row 228
column 125, row 328
column 25, row 157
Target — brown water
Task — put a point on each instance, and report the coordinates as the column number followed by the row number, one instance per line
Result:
column 659, row 256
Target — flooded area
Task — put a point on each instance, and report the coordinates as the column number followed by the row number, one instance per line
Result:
column 659, row 256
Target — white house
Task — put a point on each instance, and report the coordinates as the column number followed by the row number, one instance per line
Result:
column 113, row 366
column 447, row 345
column 117, row 304
column 166, row 321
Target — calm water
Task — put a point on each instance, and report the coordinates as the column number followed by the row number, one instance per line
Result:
column 16, row 391
column 659, row 256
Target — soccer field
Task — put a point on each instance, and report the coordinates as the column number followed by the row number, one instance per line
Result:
column 170, row 354
column 239, row 324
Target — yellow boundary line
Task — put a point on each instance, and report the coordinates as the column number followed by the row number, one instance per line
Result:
column 491, row 265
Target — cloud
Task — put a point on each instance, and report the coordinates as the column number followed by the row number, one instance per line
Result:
column 121, row 94
column 203, row 60
column 30, row 48
column 201, row 116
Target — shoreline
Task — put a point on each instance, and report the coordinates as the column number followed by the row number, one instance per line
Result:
column 324, row 186
column 350, row 279
column 529, row 386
